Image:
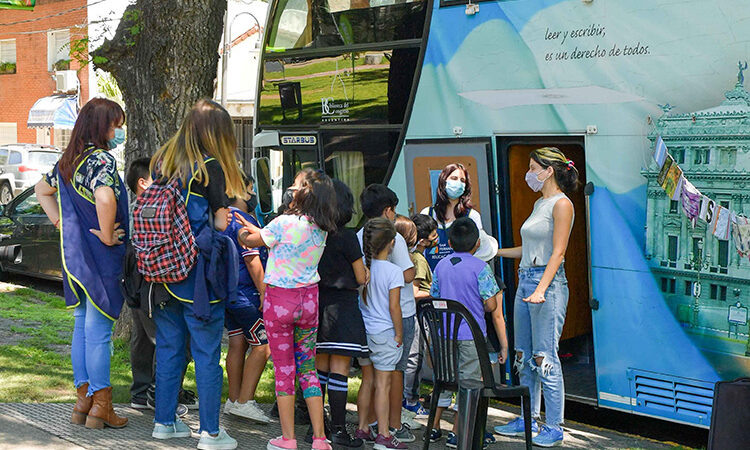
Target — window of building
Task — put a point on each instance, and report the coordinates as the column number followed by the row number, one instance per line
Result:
column 678, row 155
column 664, row 284
column 8, row 133
column 673, row 205
column 724, row 204
column 723, row 293
column 688, row 288
column 723, row 253
column 697, row 247
column 672, row 248
column 702, row 156
column 7, row 56
column 62, row 138
column 58, row 50
column 672, row 285
column 714, row 291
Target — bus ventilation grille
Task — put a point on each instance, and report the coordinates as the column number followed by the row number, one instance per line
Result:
column 672, row 397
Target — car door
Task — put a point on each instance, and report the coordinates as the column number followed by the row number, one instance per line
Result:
column 21, row 229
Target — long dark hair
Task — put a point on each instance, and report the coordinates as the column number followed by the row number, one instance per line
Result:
column 566, row 174
column 316, row 199
column 344, row 203
column 91, row 128
column 442, row 201
column 378, row 233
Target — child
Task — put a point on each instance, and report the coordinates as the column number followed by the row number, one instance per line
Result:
column 143, row 333
column 341, row 330
column 244, row 323
column 296, row 240
column 426, row 238
column 377, row 200
column 469, row 280
column 381, row 311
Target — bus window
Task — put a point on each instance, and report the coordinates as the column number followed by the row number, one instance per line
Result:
column 301, row 24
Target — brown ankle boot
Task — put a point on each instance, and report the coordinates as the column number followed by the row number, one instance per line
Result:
column 83, row 405
column 102, row 413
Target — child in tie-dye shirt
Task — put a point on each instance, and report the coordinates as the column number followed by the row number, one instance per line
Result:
column 296, row 240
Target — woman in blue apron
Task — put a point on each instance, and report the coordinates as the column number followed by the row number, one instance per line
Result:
column 91, row 211
column 452, row 201
column 201, row 156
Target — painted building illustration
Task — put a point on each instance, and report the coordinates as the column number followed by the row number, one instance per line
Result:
column 705, row 283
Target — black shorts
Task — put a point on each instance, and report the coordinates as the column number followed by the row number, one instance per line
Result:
column 247, row 320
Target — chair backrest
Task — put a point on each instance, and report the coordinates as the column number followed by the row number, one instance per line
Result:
column 439, row 321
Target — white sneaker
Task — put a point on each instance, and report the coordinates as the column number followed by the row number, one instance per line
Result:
column 228, row 406
column 407, row 417
column 249, row 410
column 220, row 442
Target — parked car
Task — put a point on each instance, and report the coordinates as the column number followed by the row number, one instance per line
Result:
column 22, row 165
column 29, row 243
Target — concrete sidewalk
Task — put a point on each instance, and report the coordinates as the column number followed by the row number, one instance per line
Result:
column 47, row 425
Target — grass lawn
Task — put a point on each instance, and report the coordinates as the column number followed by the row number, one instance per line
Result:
column 35, row 331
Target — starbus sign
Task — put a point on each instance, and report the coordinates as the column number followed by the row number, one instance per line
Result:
column 301, row 139
column 17, row 4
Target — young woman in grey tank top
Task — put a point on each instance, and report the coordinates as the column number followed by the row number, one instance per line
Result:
column 542, row 295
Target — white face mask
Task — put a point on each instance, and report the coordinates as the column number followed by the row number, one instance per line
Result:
column 532, row 179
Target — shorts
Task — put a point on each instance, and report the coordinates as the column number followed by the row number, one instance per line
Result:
column 384, row 352
column 247, row 320
column 468, row 369
column 409, row 324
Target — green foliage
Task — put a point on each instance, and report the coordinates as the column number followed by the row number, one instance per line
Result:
column 63, row 64
column 7, row 67
column 134, row 18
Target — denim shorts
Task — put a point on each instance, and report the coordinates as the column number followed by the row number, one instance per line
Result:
column 384, row 352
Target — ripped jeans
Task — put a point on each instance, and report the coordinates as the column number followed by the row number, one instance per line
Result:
column 537, row 334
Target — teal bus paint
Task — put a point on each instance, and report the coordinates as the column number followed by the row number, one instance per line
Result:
column 380, row 91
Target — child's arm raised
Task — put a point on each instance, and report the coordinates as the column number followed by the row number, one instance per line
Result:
column 394, row 305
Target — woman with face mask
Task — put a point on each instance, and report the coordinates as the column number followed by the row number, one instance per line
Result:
column 542, row 295
column 85, row 198
column 453, row 201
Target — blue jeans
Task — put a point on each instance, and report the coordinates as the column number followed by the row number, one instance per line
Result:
column 91, row 348
column 174, row 324
column 537, row 334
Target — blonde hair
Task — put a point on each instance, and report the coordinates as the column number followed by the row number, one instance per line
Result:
column 566, row 174
column 406, row 229
column 207, row 130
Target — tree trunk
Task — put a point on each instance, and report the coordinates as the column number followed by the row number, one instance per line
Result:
column 163, row 56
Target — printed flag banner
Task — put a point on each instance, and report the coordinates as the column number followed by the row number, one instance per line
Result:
column 660, row 152
column 722, row 223
column 708, row 208
column 17, row 4
column 673, row 182
column 668, row 161
column 741, row 235
column 691, row 200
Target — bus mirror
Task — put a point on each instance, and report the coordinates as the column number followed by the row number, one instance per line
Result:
column 262, row 173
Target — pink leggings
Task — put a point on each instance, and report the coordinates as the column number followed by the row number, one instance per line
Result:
column 291, row 320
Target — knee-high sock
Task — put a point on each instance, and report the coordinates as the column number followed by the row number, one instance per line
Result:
column 337, row 391
column 323, row 377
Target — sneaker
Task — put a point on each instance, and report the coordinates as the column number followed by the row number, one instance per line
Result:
column 282, row 444
column 342, row 439
column 321, row 444
column 419, row 411
column 452, row 440
column 180, row 411
column 548, row 437
column 326, row 430
column 176, row 430
column 222, row 441
column 516, row 428
column 188, row 398
column 249, row 410
column 435, row 435
column 365, row 436
column 228, row 406
column 275, row 412
column 407, row 417
column 488, row 439
column 384, row 443
column 403, row 434
column 139, row 403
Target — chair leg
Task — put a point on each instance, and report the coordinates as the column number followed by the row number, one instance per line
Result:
column 526, row 408
column 481, row 423
column 436, row 390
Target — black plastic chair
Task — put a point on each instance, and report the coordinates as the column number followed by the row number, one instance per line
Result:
column 439, row 321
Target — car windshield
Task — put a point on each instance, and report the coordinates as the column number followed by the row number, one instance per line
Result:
column 43, row 158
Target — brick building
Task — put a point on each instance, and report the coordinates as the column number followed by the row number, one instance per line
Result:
column 38, row 42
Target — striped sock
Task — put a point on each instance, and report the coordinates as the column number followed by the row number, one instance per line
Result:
column 323, row 378
column 338, row 386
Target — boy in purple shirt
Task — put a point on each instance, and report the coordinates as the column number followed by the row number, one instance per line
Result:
column 469, row 280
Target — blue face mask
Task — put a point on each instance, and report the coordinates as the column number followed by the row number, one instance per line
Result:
column 454, row 188
column 118, row 139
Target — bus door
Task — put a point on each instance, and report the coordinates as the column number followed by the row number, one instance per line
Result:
column 516, row 202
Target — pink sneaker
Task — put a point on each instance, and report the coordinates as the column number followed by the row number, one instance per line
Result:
column 385, row 443
column 282, row 444
column 320, row 444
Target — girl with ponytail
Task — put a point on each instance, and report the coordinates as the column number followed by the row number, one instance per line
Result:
column 542, row 295
column 381, row 311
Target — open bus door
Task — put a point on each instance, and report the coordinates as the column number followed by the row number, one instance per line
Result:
column 516, row 202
